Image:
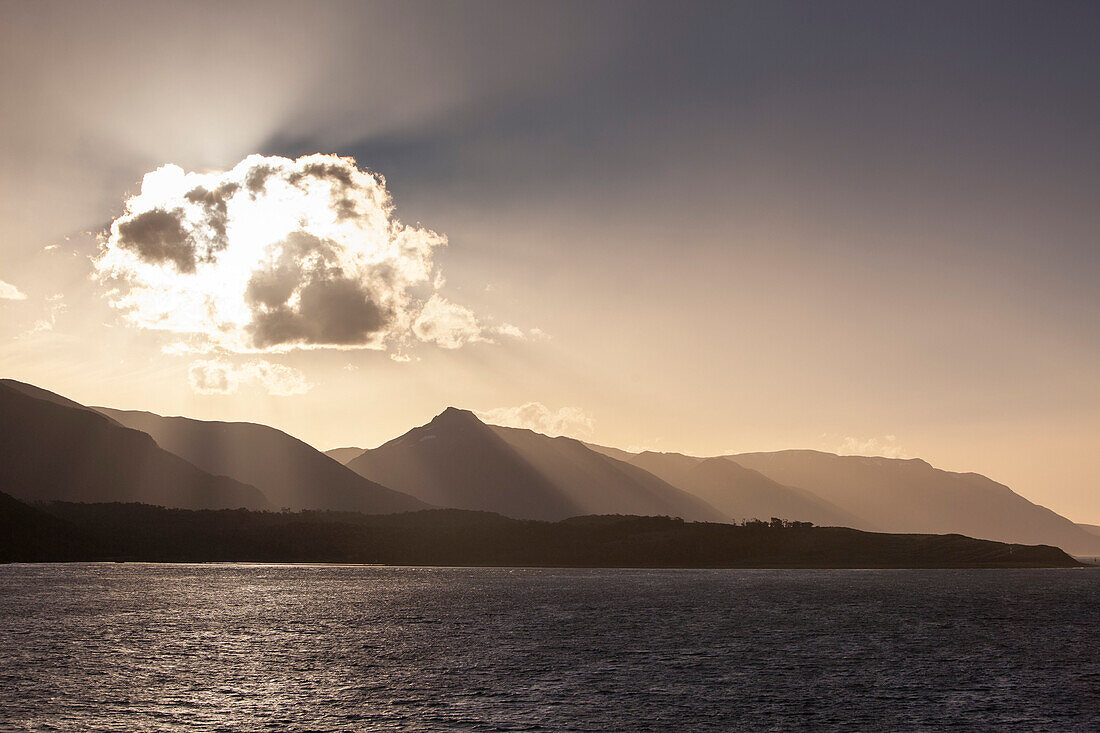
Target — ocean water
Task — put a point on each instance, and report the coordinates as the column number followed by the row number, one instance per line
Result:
column 102, row 647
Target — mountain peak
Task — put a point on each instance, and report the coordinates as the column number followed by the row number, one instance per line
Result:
column 455, row 415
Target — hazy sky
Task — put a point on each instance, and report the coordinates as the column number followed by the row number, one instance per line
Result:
column 855, row 227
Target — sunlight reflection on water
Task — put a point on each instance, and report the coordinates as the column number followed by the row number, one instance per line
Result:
column 333, row 648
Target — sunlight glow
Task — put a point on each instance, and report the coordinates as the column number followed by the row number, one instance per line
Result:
column 272, row 255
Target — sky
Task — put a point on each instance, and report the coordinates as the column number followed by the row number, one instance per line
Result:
column 865, row 228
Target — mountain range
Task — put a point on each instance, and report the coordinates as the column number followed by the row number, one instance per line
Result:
column 54, row 449
column 871, row 493
column 909, row 495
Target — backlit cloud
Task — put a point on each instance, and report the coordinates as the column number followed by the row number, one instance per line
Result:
column 275, row 255
column 571, row 421
column 55, row 308
column 10, row 292
column 886, row 446
column 451, row 326
column 447, row 324
column 220, row 377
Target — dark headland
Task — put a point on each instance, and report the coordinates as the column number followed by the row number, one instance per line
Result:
column 64, row 531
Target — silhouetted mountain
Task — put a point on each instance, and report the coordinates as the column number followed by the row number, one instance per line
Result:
column 41, row 394
column 52, row 449
column 742, row 493
column 453, row 537
column 911, row 496
column 458, row 461
column 28, row 534
column 291, row 473
column 344, row 456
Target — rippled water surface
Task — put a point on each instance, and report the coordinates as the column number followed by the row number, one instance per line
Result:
column 238, row 647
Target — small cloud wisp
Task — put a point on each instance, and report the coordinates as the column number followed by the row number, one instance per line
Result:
column 886, row 447
column 10, row 292
column 220, row 377
column 571, row 421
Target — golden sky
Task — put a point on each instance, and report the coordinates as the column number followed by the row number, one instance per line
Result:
column 705, row 230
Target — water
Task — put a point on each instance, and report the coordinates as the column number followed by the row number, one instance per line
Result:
column 287, row 648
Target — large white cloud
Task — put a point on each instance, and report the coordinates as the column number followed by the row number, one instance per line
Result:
column 571, row 421
column 278, row 254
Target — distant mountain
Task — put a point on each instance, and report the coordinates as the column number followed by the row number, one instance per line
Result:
column 1090, row 528
column 291, row 473
column 458, row 461
column 911, row 496
column 55, row 449
column 344, row 455
column 742, row 493
column 28, row 534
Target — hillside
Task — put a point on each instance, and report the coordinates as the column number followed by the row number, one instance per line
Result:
column 52, row 450
column 291, row 473
column 28, row 534
column 452, row 537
